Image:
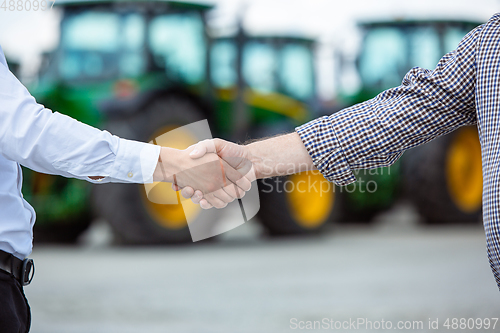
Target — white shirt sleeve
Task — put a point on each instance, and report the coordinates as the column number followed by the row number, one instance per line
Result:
column 53, row 143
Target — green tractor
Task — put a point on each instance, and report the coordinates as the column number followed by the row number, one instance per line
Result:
column 265, row 85
column 443, row 178
column 140, row 69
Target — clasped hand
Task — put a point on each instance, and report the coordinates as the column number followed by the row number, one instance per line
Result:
column 209, row 177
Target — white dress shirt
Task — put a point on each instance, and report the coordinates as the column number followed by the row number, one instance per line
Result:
column 56, row 144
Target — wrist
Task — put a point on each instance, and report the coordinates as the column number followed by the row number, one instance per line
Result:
column 280, row 156
column 257, row 161
column 168, row 163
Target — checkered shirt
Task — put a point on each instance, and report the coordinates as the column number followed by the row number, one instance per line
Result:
column 464, row 89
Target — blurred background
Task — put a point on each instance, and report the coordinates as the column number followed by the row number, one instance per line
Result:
column 403, row 243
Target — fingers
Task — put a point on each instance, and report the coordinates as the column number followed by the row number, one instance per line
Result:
column 231, row 154
column 214, row 201
column 223, row 196
column 202, row 148
column 216, row 191
column 234, row 191
column 236, row 177
column 244, row 184
column 216, row 146
column 219, row 198
column 196, row 198
column 205, row 205
column 243, row 165
column 187, row 192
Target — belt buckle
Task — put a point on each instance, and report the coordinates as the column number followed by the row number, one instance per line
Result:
column 27, row 271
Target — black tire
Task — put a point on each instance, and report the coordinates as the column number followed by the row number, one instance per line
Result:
column 61, row 232
column 428, row 186
column 125, row 206
column 374, row 192
column 280, row 218
column 351, row 213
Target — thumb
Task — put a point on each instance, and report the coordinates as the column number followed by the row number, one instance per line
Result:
column 202, row 148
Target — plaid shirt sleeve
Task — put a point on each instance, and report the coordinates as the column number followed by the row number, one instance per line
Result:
column 375, row 133
column 488, row 111
column 463, row 89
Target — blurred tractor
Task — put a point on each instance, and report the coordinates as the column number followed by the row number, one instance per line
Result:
column 265, row 85
column 140, row 69
column 443, row 178
column 14, row 66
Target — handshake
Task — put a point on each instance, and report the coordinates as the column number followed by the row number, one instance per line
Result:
column 212, row 172
column 215, row 172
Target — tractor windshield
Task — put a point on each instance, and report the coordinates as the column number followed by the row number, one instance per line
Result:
column 287, row 68
column 223, row 56
column 98, row 44
column 177, row 43
column 101, row 45
column 390, row 51
column 297, row 71
column 259, row 66
column 268, row 66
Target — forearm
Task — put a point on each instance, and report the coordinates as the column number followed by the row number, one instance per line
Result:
column 53, row 143
column 375, row 133
column 280, row 156
column 169, row 163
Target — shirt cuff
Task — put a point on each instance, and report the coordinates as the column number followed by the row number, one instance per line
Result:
column 322, row 144
column 135, row 162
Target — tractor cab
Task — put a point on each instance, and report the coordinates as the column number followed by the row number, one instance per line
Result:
column 106, row 40
column 142, row 68
column 273, row 79
column 116, row 50
column 135, row 68
column 274, row 75
column 442, row 178
column 270, row 64
column 391, row 48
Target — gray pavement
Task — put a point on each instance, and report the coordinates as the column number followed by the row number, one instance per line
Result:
column 394, row 271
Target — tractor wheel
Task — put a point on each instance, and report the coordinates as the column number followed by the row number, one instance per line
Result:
column 374, row 192
column 444, row 178
column 350, row 211
column 299, row 204
column 134, row 218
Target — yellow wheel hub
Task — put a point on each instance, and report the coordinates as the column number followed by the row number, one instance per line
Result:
column 170, row 215
column 464, row 170
column 310, row 197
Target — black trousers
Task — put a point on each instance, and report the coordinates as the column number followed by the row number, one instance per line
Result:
column 15, row 314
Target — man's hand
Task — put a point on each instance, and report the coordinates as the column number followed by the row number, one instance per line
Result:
column 236, row 156
column 278, row 156
column 217, row 181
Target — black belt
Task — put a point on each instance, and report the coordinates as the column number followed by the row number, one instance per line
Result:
column 23, row 270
